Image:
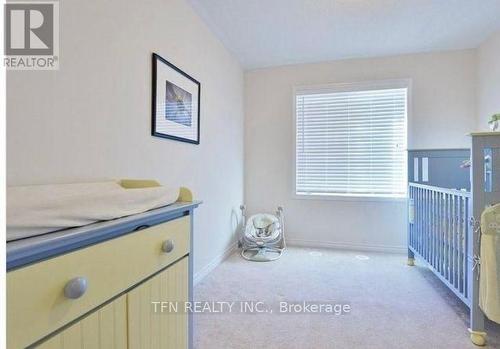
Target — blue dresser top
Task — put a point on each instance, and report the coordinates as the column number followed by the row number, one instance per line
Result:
column 30, row 250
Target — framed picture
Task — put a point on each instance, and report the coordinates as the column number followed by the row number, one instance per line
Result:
column 176, row 103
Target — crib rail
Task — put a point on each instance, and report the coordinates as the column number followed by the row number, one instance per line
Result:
column 439, row 233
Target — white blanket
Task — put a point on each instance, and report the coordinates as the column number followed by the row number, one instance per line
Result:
column 489, row 284
column 37, row 209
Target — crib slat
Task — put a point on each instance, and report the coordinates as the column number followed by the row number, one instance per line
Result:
column 431, row 227
column 428, row 224
column 438, row 232
column 434, row 229
column 441, row 233
column 415, row 219
column 464, row 233
column 455, row 242
column 427, row 227
column 452, row 241
column 443, row 242
column 448, row 237
column 464, row 246
column 410, row 226
column 466, row 242
column 420, row 220
column 452, row 246
column 459, row 243
column 431, row 222
column 445, row 265
column 445, row 227
column 459, row 247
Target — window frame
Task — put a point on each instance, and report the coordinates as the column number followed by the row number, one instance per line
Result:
column 346, row 87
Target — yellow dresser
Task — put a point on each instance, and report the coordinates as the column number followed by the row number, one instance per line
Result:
column 103, row 295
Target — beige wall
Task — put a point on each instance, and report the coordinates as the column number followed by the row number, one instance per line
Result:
column 488, row 73
column 91, row 119
column 442, row 112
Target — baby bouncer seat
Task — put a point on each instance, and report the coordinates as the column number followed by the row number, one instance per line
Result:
column 263, row 236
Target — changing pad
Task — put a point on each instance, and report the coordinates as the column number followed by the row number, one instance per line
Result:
column 38, row 209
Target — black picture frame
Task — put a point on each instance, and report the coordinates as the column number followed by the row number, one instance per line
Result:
column 156, row 60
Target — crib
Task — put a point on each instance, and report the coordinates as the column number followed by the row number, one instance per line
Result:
column 446, row 200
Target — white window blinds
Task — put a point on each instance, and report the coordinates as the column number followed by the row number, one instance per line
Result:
column 351, row 142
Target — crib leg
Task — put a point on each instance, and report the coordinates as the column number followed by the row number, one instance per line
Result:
column 477, row 334
column 478, row 338
column 411, row 258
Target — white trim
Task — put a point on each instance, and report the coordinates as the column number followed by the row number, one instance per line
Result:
column 349, row 197
column 347, row 246
column 353, row 86
column 214, row 263
column 345, row 86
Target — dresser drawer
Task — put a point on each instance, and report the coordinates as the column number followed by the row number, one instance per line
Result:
column 36, row 301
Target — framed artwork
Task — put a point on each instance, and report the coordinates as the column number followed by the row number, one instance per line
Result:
column 176, row 103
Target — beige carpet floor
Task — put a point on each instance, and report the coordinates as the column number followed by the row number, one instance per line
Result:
column 392, row 305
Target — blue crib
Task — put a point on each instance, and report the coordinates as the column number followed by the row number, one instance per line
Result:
column 446, row 200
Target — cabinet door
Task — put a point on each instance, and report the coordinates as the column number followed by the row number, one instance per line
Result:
column 150, row 329
column 105, row 328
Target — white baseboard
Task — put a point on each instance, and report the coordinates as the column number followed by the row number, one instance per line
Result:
column 346, row 246
column 207, row 269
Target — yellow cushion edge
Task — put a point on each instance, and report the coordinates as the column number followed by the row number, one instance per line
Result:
column 139, row 183
column 185, row 195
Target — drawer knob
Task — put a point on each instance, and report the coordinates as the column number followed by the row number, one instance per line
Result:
column 75, row 288
column 167, row 246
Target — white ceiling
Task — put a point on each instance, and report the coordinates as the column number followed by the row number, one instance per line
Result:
column 262, row 33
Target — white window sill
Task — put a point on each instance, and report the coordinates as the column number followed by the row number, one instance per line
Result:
column 349, row 197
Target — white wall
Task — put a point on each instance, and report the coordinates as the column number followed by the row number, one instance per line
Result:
column 91, row 119
column 443, row 111
column 488, row 73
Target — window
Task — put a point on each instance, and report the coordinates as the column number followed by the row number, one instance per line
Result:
column 351, row 140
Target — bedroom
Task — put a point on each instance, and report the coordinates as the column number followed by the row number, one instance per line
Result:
column 261, row 104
